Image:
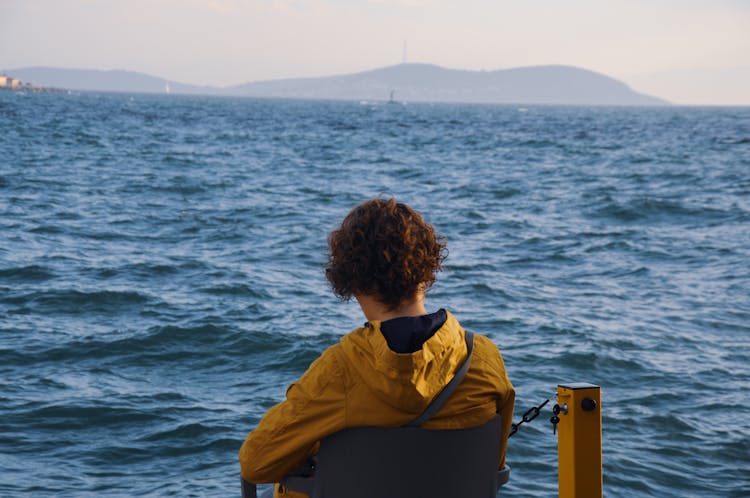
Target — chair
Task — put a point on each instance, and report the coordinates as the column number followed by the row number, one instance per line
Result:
column 378, row 462
column 381, row 462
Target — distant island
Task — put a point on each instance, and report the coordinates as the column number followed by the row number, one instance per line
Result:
column 556, row 85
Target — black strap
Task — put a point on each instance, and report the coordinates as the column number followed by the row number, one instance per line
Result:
column 438, row 401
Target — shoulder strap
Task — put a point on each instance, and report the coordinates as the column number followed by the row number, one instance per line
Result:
column 438, row 401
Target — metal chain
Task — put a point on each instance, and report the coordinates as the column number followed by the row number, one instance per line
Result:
column 530, row 415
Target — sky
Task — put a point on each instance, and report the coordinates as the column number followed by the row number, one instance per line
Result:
column 694, row 52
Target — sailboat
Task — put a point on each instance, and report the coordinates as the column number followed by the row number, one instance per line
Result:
column 166, row 88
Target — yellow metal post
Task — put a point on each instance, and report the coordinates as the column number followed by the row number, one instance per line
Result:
column 579, row 441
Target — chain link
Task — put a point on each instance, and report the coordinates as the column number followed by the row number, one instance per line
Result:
column 530, row 415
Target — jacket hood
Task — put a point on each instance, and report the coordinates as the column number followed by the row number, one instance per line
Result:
column 406, row 381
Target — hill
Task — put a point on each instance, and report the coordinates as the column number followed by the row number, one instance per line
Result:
column 562, row 85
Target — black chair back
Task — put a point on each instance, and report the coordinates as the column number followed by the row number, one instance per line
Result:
column 380, row 462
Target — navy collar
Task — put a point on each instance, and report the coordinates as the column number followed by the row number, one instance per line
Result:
column 407, row 334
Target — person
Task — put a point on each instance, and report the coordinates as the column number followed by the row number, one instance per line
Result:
column 386, row 256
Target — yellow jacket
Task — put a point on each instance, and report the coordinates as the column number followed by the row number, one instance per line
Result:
column 361, row 382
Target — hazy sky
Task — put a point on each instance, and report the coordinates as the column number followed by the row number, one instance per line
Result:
column 687, row 51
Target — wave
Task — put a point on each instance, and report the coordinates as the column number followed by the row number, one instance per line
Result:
column 29, row 273
column 657, row 210
column 71, row 416
column 167, row 343
column 71, row 301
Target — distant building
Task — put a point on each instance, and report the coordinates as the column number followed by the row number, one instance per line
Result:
column 8, row 82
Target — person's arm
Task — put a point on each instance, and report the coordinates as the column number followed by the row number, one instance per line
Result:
column 505, row 401
column 505, row 407
column 288, row 433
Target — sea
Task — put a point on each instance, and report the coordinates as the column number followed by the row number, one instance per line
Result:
column 161, row 277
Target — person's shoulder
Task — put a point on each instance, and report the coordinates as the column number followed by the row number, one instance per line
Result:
column 325, row 370
column 330, row 357
column 334, row 357
column 485, row 350
column 488, row 362
column 485, row 346
column 357, row 338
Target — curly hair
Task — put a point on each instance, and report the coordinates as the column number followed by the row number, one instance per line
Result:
column 384, row 249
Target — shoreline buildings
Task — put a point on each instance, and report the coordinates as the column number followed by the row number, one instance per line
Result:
column 10, row 83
